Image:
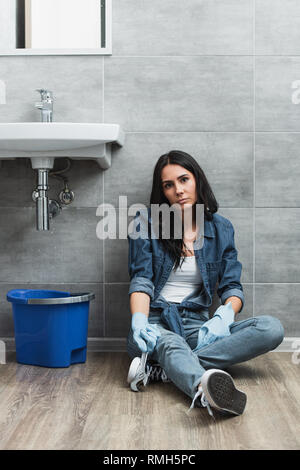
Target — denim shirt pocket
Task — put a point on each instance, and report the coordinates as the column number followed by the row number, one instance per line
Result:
column 213, row 269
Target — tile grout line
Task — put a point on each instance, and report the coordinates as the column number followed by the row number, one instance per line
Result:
column 103, row 268
column 212, row 131
column 103, row 178
column 254, row 161
column 176, row 56
column 36, row 283
column 116, row 206
column 103, row 89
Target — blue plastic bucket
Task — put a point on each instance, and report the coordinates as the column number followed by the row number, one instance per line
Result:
column 51, row 326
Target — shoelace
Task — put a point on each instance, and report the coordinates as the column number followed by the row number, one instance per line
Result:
column 156, row 373
column 203, row 400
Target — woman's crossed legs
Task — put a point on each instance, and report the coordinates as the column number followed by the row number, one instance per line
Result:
column 249, row 338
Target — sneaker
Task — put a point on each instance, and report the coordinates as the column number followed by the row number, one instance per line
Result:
column 141, row 373
column 137, row 377
column 218, row 391
column 156, row 373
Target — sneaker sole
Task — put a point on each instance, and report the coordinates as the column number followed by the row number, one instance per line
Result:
column 135, row 363
column 222, row 394
column 137, row 377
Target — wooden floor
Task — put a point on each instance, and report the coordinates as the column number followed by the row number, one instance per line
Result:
column 89, row 406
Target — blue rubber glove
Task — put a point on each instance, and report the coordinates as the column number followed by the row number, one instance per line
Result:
column 144, row 334
column 217, row 327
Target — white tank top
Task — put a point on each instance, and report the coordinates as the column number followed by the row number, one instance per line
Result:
column 182, row 282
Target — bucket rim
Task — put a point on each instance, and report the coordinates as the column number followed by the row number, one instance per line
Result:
column 73, row 299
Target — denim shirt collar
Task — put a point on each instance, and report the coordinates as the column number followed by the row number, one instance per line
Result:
column 207, row 232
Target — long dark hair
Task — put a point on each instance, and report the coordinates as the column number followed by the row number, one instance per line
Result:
column 205, row 196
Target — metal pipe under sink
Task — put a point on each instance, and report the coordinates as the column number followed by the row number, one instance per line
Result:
column 45, row 209
column 42, row 203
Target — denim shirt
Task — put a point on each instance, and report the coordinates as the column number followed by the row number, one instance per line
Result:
column 150, row 265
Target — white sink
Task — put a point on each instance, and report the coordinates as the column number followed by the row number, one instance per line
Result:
column 43, row 142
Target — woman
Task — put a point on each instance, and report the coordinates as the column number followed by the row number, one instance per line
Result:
column 172, row 285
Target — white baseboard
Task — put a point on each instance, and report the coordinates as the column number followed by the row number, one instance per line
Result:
column 94, row 344
column 290, row 344
column 107, row 344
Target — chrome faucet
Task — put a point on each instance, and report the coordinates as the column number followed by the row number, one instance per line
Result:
column 46, row 105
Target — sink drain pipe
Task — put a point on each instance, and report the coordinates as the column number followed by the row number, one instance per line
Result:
column 42, row 203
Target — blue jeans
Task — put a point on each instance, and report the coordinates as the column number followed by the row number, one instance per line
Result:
column 249, row 338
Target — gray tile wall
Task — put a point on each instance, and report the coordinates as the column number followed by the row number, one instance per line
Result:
column 215, row 80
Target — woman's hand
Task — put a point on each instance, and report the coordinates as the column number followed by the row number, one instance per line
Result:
column 144, row 334
column 217, row 327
